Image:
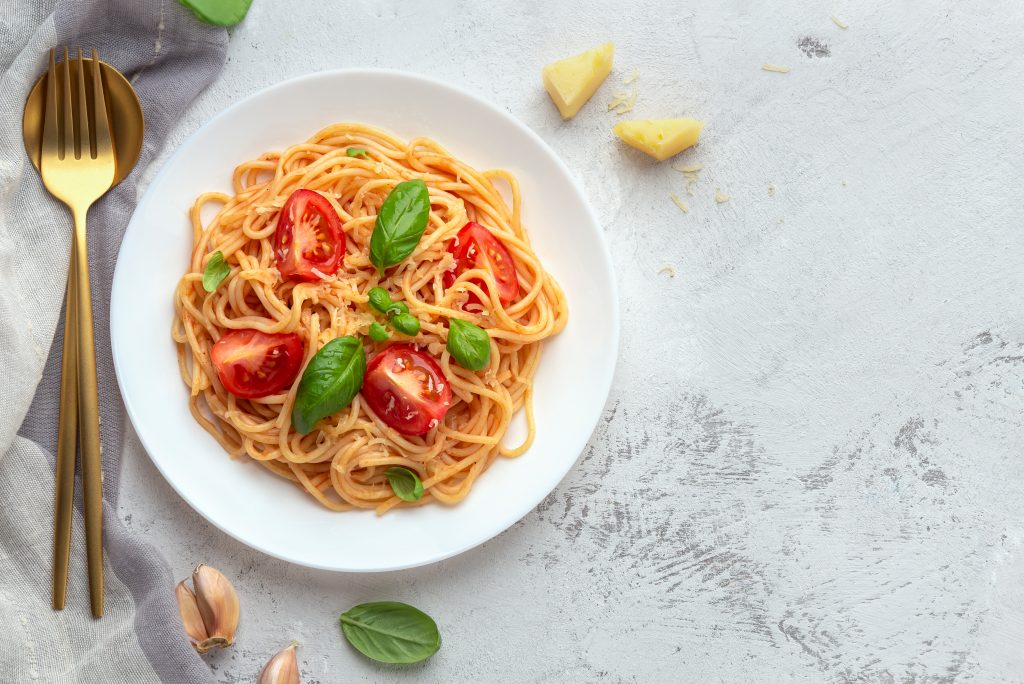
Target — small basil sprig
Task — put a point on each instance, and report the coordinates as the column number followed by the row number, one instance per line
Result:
column 391, row 632
column 398, row 312
column 330, row 382
column 396, row 308
column 216, row 271
column 356, row 152
column 400, row 224
column 405, row 483
column 379, row 299
column 218, row 12
column 378, row 333
column 407, row 324
column 469, row 344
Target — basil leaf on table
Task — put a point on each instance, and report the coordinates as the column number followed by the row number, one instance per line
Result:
column 469, row 344
column 400, row 224
column 216, row 271
column 330, row 382
column 405, row 483
column 218, row 12
column 356, row 152
column 391, row 632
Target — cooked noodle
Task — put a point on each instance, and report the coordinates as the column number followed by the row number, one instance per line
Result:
column 343, row 460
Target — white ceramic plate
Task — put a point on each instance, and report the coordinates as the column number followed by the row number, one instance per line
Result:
column 266, row 512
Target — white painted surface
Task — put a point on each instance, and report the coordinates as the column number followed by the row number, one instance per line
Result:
column 811, row 466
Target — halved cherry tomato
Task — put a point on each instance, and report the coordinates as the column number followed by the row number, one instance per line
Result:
column 253, row 364
column 476, row 247
column 407, row 389
column 309, row 237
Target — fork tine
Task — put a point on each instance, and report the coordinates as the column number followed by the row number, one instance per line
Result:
column 69, row 140
column 83, row 110
column 51, row 133
column 100, row 123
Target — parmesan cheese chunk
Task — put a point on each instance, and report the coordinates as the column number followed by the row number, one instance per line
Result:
column 660, row 138
column 572, row 81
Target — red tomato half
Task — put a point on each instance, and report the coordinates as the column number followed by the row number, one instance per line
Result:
column 252, row 364
column 308, row 237
column 407, row 389
column 476, row 247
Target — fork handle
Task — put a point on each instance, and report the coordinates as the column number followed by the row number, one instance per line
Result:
column 67, row 440
column 89, row 420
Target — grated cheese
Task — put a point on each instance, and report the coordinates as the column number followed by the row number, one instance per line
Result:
column 839, row 22
column 776, row 68
column 668, row 270
column 721, row 197
column 679, row 203
column 635, row 74
column 689, row 168
column 622, row 103
column 771, row 189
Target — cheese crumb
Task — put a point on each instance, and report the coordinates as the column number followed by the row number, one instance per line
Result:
column 776, row 68
column 633, row 75
column 689, row 168
column 839, row 22
column 771, row 189
column 679, row 203
column 721, row 197
column 622, row 103
column 668, row 270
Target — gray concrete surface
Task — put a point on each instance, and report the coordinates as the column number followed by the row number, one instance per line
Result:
column 810, row 467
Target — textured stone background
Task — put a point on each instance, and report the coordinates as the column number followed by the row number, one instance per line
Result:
column 810, row 465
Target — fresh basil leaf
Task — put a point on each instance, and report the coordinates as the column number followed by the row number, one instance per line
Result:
column 396, row 308
column 407, row 324
column 218, row 12
column 391, row 632
column 378, row 333
column 405, row 483
column 469, row 344
column 216, row 271
column 356, row 152
column 379, row 299
column 400, row 224
column 330, row 382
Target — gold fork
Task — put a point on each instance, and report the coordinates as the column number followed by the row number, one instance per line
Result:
column 77, row 164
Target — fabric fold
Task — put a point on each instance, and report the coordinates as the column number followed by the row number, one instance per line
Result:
column 170, row 58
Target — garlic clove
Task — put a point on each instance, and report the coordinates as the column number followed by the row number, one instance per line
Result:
column 283, row 668
column 190, row 616
column 215, row 602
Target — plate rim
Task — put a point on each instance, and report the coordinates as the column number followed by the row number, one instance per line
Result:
column 614, row 313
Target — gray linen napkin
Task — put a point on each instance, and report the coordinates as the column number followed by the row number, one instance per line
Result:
column 169, row 57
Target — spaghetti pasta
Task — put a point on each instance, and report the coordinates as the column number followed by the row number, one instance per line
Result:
column 343, row 460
